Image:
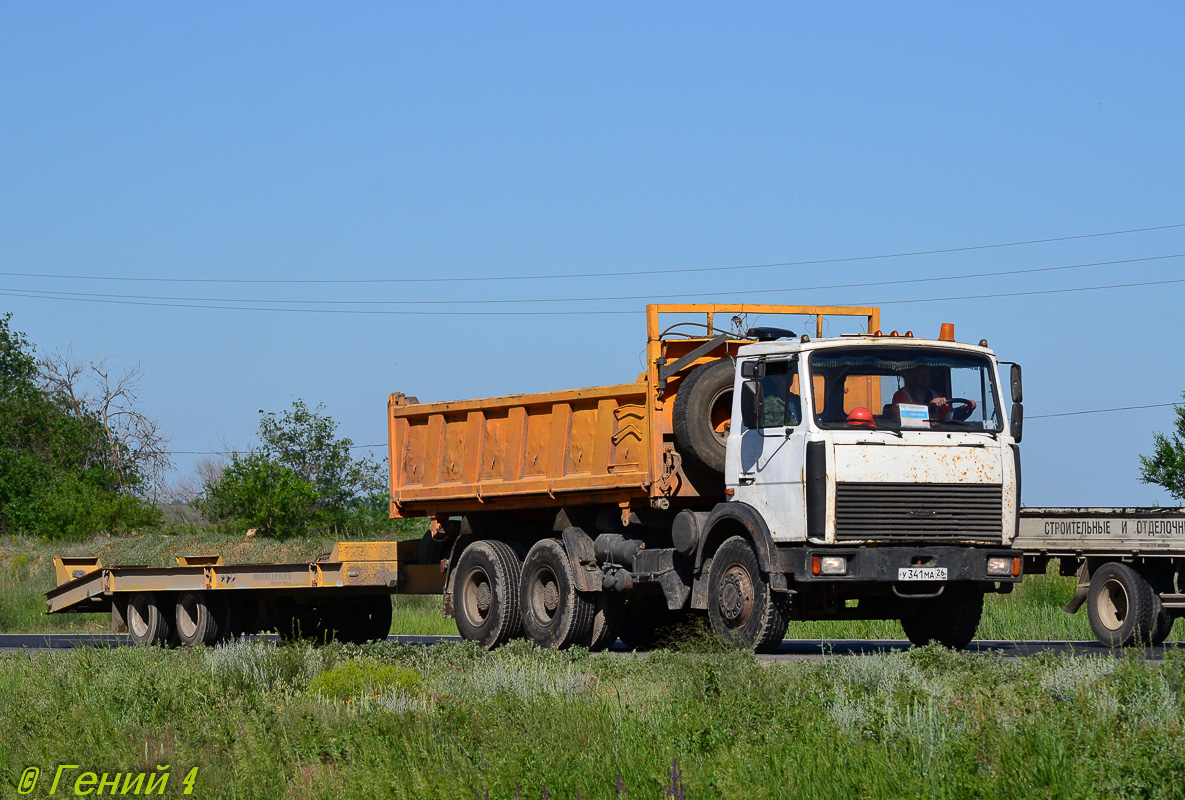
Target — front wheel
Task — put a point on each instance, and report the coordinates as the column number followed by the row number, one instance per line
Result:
column 741, row 607
column 951, row 620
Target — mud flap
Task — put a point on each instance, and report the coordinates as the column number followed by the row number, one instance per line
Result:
column 585, row 572
column 1083, row 589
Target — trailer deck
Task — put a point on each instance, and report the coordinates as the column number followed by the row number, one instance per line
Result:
column 86, row 585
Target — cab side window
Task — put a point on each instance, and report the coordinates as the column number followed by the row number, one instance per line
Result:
column 780, row 403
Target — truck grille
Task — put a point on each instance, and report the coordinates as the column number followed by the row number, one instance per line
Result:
column 918, row 511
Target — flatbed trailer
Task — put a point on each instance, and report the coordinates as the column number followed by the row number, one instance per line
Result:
column 1130, row 565
column 201, row 600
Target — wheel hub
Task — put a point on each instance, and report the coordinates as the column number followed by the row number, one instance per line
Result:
column 735, row 599
column 483, row 598
column 1113, row 605
column 551, row 597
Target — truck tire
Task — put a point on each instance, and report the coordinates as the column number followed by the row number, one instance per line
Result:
column 295, row 622
column 367, row 618
column 742, row 609
column 606, row 621
column 486, row 605
column 1121, row 606
column 430, row 550
column 149, row 619
column 196, row 618
column 1163, row 625
column 950, row 620
column 554, row 614
column 701, row 415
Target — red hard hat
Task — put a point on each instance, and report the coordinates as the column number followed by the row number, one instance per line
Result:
column 861, row 416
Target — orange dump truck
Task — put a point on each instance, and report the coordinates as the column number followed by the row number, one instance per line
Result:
column 800, row 484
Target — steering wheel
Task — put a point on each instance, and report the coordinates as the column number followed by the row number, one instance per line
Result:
column 965, row 408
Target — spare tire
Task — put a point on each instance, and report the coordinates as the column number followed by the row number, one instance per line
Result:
column 702, row 414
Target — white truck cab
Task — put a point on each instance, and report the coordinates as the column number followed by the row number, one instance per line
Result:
column 886, row 474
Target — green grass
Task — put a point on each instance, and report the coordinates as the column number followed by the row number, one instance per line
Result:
column 452, row 721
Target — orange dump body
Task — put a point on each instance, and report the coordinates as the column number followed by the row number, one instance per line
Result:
column 601, row 445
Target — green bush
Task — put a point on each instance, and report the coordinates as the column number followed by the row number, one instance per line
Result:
column 263, row 494
column 357, row 679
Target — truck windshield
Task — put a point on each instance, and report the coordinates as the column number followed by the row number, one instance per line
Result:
column 904, row 388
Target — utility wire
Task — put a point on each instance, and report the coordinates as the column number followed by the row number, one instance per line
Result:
column 1100, row 411
column 36, row 294
column 616, row 274
column 898, row 282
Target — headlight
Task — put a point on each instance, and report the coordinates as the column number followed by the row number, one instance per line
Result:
column 833, row 565
column 999, row 565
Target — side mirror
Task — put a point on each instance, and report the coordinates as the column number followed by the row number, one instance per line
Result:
column 1014, row 379
column 1018, row 418
column 753, row 369
column 750, row 402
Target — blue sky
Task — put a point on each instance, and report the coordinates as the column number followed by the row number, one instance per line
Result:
column 275, row 142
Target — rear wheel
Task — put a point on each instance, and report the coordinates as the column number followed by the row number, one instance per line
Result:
column 951, row 620
column 1122, row 606
column 554, row 614
column 149, row 617
column 486, row 594
column 741, row 607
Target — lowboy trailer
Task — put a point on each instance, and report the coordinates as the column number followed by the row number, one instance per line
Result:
column 201, row 600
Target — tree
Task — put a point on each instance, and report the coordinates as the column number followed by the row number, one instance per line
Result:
column 1166, row 466
column 136, row 451
column 57, row 479
column 301, row 477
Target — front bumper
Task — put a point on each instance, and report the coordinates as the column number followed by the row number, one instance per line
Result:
column 882, row 564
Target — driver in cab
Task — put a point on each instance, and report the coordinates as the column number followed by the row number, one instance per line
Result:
column 918, row 390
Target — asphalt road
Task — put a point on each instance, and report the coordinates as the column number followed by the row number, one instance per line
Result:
column 791, row 649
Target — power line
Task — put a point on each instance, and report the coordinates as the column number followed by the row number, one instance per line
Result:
column 42, row 295
column 652, row 297
column 1100, row 411
column 616, row 274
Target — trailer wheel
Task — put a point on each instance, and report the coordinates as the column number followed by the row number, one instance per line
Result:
column 701, row 415
column 487, row 593
column 951, row 620
column 359, row 620
column 741, row 608
column 554, row 614
column 148, row 624
column 197, row 622
column 1122, row 606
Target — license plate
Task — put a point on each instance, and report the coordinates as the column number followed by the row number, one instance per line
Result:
column 921, row 573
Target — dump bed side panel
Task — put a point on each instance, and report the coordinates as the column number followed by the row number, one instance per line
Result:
column 582, row 445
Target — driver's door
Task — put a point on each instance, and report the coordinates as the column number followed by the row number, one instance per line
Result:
column 773, row 448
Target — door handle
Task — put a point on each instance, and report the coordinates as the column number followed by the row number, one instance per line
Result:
column 747, row 478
